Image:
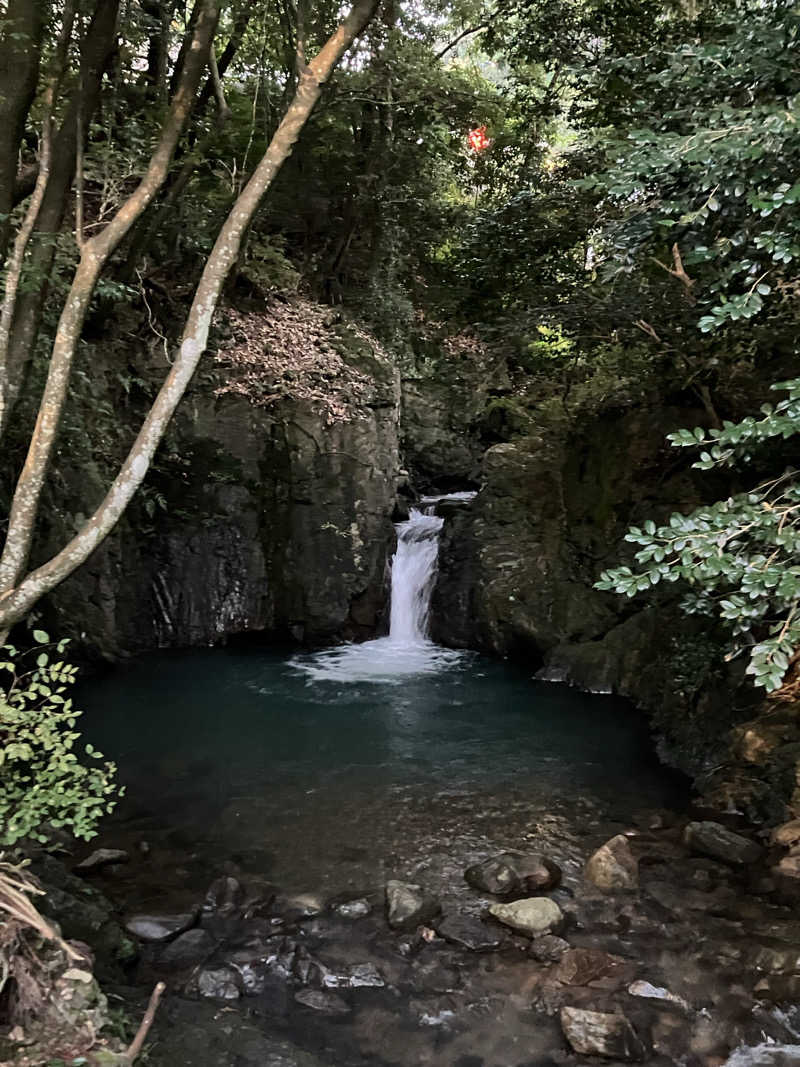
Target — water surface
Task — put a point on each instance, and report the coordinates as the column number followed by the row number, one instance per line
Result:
column 332, row 776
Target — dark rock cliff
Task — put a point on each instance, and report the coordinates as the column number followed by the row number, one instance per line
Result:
column 274, row 519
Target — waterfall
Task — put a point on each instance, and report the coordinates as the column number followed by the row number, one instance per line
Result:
column 407, row 649
column 413, row 577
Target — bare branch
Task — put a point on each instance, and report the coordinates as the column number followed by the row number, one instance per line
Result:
column 135, row 1046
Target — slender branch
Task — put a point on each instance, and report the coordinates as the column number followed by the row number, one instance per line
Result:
column 464, row 33
column 79, row 182
column 135, row 1046
column 223, row 111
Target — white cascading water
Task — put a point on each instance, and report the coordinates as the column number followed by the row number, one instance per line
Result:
column 407, row 649
column 413, row 577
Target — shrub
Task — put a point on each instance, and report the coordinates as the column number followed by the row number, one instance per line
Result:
column 43, row 785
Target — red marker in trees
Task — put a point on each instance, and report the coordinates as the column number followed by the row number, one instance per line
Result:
column 477, row 138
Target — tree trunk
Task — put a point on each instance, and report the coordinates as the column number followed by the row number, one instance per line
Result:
column 15, row 604
column 96, row 52
column 94, row 256
column 21, row 31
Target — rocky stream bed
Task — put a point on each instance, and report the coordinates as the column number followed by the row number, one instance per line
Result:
column 673, row 942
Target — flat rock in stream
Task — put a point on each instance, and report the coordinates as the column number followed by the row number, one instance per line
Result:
column 468, row 932
column 157, row 928
column 188, row 950
column 601, row 1033
column 409, row 906
column 712, row 839
column 325, row 1003
column 531, row 916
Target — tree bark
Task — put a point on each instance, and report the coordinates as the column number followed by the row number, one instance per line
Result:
column 96, row 52
column 21, row 32
column 15, row 603
column 94, row 256
column 22, row 239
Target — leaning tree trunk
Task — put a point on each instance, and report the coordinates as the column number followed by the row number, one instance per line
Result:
column 95, row 254
column 21, row 30
column 96, row 52
column 19, row 599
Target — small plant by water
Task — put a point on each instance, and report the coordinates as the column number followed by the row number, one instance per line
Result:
column 45, row 787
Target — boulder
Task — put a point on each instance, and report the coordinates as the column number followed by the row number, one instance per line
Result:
column 548, row 948
column 580, row 966
column 613, row 865
column 468, row 932
column 159, row 927
column 218, row 983
column 513, row 872
column 224, row 897
column 102, row 857
column 712, row 839
column 531, row 916
column 188, row 950
column 409, row 906
column 787, row 835
column 353, row 909
column 601, row 1033
column 495, row 876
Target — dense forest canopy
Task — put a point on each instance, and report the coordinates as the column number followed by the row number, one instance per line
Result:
column 627, row 224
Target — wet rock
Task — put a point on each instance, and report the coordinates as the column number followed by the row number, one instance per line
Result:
column 789, row 866
column 353, row 909
column 468, row 932
column 188, row 950
column 787, row 835
column 654, row 992
column 306, row 905
column 581, row 966
column 157, row 928
column 531, row 916
column 409, row 906
column 325, row 1003
column 549, row 948
column 613, row 865
column 679, row 899
column 218, row 983
column 495, row 876
column 225, row 896
column 765, row 1056
column 101, row 857
column 654, row 819
column 712, row 839
column 360, row 976
column 600, row 1033
column 433, row 976
column 513, row 872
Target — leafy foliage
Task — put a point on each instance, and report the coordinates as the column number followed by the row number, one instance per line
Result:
column 43, row 785
column 740, row 557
